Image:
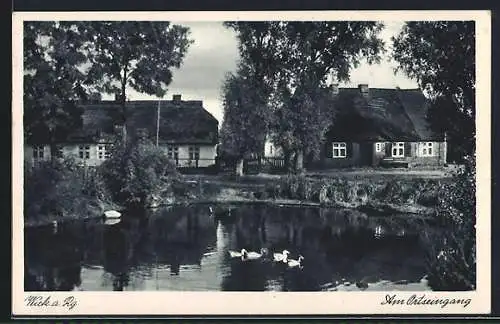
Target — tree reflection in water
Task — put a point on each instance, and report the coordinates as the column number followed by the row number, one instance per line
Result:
column 184, row 248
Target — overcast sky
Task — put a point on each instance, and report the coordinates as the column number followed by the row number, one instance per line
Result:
column 215, row 52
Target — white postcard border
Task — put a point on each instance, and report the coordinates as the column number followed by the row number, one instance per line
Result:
column 265, row 303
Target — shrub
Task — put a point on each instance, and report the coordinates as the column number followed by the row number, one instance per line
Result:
column 305, row 188
column 273, row 190
column 136, row 171
column 60, row 188
column 452, row 255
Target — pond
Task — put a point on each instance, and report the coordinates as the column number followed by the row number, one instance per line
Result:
column 187, row 248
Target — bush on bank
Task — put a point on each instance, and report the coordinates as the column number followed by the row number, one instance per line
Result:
column 137, row 172
column 452, row 255
column 133, row 175
column 354, row 192
column 62, row 188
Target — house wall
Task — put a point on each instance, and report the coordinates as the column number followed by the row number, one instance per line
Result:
column 73, row 150
column 438, row 158
column 353, row 157
column 270, row 150
column 28, row 154
column 413, row 154
column 68, row 150
column 207, row 154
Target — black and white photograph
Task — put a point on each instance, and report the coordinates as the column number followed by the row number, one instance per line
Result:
column 276, row 155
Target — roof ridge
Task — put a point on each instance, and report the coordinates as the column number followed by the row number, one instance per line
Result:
column 376, row 88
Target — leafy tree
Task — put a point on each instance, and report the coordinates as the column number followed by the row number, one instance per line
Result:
column 246, row 93
column 440, row 55
column 292, row 60
column 452, row 253
column 135, row 54
column 294, row 115
column 314, row 53
column 244, row 127
column 54, row 53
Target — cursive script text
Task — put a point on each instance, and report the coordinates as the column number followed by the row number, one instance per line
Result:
column 423, row 300
column 49, row 301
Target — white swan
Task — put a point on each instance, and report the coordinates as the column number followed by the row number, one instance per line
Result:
column 252, row 255
column 295, row 263
column 281, row 257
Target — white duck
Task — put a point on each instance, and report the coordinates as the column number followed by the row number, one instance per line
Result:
column 252, row 255
column 295, row 263
column 281, row 257
column 236, row 254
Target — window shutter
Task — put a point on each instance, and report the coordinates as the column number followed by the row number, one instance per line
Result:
column 349, row 149
column 388, row 148
column 328, row 149
column 407, row 148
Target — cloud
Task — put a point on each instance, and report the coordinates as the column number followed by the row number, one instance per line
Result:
column 213, row 54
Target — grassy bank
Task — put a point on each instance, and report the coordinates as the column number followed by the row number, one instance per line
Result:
column 374, row 195
column 70, row 192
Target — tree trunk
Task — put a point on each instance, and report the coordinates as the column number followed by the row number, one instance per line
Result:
column 299, row 161
column 239, row 167
column 287, row 157
column 53, row 150
column 123, row 105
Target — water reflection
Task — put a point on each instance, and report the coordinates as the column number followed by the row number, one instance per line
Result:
column 186, row 248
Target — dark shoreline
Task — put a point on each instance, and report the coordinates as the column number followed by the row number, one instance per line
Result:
column 383, row 209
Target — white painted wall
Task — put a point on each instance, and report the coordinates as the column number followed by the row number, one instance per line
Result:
column 207, row 154
column 271, row 150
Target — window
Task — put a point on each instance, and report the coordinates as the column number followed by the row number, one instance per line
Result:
column 427, row 149
column 101, row 152
column 107, row 152
column 84, row 151
column 38, row 151
column 339, row 150
column 173, row 153
column 194, row 153
column 379, row 147
column 59, row 152
column 398, row 149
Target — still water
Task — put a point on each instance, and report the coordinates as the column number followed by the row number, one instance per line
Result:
column 187, row 248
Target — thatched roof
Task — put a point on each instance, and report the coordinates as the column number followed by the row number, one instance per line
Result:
column 180, row 121
column 381, row 115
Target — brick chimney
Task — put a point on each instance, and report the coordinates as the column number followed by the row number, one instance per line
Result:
column 176, row 98
column 363, row 89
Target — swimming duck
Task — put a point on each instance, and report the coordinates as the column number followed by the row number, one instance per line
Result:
column 295, row 263
column 236, row 254
column 54, row 227
column 252, row 255
column 281, row 257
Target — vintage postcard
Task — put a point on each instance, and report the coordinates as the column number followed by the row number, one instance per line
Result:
column 267, row 163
